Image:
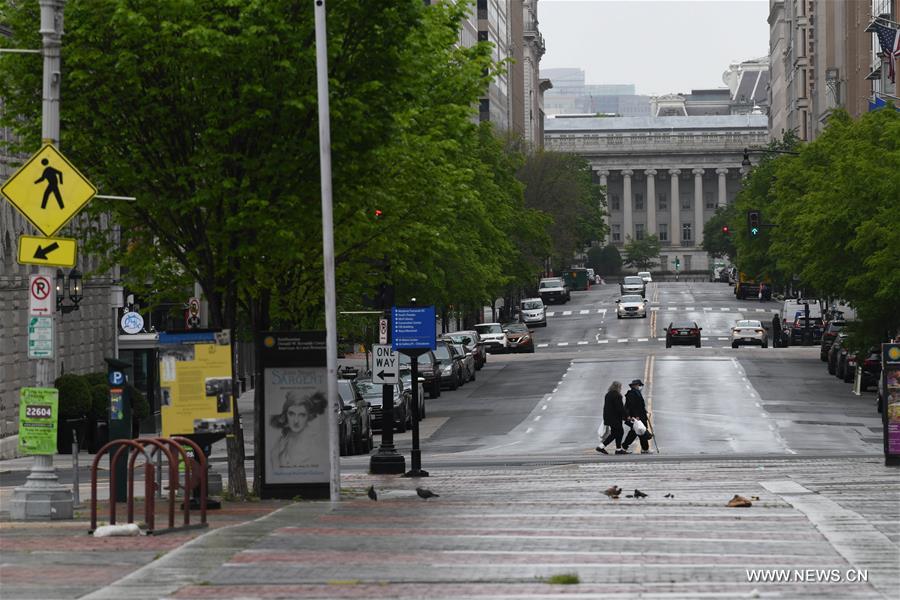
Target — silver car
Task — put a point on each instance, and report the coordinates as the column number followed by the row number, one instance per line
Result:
column 468, row 362
column 748, row 331
column 631, row 305
column 633, row 284
column 533, row 311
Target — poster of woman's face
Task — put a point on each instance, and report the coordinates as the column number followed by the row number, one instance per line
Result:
column 296, row 422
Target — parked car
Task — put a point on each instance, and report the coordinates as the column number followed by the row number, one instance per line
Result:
column 406, row 380
column 493, row 337
column 372, row 393
column 473, row 340
column 846, row 366
column 533, row 312
column 358, row 413
column 449, row 362
column 428, row 369
column 519, row 338
column 685, row 333
column 553, row 289
column 748, row 331
column 645, row 275
column 832, row 329
column 871, row 368
column 467, row 360
column 631, row 305
column 838, row 347
column 632, row 284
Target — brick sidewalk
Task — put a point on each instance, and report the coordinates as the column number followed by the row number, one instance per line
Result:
column 504, row 532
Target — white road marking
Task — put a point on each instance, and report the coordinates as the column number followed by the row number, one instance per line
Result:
column 529, row 430
column 563, row 344
column 688, row 308
column 554, row 389
column 643, row 340
column 566, row 313
column 623, row 340
column 551, row 314
column 544, row 407
column 537, row 418
column 725, row 309
column 583, row 343
column 673, row 308
column 704, row 339
column 660, row 339
column 583, row 312
column 656, row 308
column 723, row 339
column 602, row 341
column 760, row 310
column 542, row 345
column 706, row 308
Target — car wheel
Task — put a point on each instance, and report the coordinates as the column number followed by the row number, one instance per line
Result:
column 734, row 344
column 831, row 368
column 644, row 316
column 849, row 375
column 618, row 316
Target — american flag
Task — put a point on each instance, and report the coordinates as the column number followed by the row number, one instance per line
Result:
column 890, row 44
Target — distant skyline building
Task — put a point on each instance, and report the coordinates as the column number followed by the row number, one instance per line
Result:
column 572, row 95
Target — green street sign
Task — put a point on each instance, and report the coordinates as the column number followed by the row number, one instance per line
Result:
column 38, row 418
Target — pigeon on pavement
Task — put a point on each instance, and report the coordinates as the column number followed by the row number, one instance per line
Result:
column 371, row 493
column 739, row 502
column 613, row 492
column 425, row 494
column 639, row 494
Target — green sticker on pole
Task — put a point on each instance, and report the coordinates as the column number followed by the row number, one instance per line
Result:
column 38, row 418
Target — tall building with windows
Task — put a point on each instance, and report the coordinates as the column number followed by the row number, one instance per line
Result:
column 494, row 27
column 572, row 95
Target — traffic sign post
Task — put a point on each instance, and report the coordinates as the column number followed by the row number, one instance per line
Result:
column 41, row 297
column 50, row 252
column 382, row 331
column 386, row 460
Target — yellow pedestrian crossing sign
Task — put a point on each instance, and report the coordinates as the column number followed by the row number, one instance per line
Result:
column 48, row 190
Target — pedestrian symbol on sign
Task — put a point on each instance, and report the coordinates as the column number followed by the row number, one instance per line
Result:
column 51, row 175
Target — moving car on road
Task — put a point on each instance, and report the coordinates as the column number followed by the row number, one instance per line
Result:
column 631, row 305
column 632, row 284
column 519, row 338
column 684, row 333
column 553, row 289
column 748, row 331
column 493, row 337
column 645, row 275
column 533, row 312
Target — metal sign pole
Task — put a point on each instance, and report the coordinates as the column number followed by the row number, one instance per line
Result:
column 43, row 497
column 328, row 244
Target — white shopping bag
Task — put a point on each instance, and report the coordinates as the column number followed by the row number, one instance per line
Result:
column 602, row 432
column 638, row 427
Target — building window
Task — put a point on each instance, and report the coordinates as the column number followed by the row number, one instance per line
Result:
column 616, row 232
column 687, row 262
column 638, row 202
column 708, row 197
column 663, row 262
column 661, row 200
column 614, row 202
column 663, row 232
column 482, row 36
column 686, row 202
column 484, row 110
column 685, row 232
column 638, row 231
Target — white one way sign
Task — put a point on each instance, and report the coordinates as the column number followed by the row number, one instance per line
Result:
column 386, row 366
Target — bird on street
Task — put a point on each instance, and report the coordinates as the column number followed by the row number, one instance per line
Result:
column 425, row 494
column 639, row 494
column 613, row 492
column 371, row 493
column 669, row 496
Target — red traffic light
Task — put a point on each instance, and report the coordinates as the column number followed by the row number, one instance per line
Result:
column 725, row 229
column 378, row 213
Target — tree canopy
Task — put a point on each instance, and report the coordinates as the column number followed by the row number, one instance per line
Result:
column 641, row 254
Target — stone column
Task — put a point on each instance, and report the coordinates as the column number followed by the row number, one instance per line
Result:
column 650, row 202
column 698, row 206
column 603, row 174
column 674, row 207
column 722, row 173
column 627, row 222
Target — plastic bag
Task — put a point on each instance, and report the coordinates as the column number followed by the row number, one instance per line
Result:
column 638, row 427
column 603, row 432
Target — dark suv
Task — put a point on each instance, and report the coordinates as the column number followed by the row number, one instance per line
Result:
column 429, row 369
column 828, row 336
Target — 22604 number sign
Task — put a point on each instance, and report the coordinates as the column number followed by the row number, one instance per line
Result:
column 39, row 411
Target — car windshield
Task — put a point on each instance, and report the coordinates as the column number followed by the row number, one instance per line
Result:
column 550, row 283
column 369, row 389
column 442, row 352
column 532, row 304
column 634, row 281
column 460, row 339
column 632, row 298
column 345, row 391
column 683, row 325
column 748, row 324
column 490, row 328
column 516, row 328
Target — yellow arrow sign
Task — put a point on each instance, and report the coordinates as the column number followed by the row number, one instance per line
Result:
column 48, row 190
column 56, row 252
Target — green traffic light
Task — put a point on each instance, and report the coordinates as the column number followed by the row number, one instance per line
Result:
column 754, row 231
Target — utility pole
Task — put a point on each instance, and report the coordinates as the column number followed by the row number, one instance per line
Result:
column 43, row 497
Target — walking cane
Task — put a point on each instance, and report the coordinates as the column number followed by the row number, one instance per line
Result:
column 650, row 428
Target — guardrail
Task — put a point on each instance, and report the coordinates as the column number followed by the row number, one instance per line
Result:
column 158, row 446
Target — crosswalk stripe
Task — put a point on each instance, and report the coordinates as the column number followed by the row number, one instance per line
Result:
column 660, row 339
column 602, row 341
column 725, row 308
column 673, row 308
column 583, row 312
column 551, row 314
column 722, row 339
column 688, row 308
column 643, row 340
column 582, row 343
column 706, row 308
column 542, row 345
column 563, row 344
column 654, row 308
column 622, row 340
column 567, row 313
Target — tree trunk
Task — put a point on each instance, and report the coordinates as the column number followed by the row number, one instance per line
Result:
column 259, row 322
column 237, row 475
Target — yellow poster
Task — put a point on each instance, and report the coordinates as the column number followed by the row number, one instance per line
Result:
column 195, row 383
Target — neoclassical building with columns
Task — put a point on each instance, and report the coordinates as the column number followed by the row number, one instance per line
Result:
column 663, row 175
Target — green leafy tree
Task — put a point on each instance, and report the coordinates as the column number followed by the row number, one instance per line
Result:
column 605, row 260
column 641, row 254
column 716, row 240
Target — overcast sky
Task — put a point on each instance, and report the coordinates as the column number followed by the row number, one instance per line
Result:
column 661, row 46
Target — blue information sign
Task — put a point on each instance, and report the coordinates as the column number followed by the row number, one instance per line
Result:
column 413, row 328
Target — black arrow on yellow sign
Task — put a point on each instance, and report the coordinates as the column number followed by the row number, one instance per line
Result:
column 41, row 252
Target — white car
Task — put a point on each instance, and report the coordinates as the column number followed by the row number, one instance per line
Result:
column 532, row 311
column 631, row 305
column 645, row 275
column 492, row 335
column 747, row 331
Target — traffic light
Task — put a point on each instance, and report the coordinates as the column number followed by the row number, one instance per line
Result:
column 725, row 230
column 677, row 263
column 378, row 214
column 753, row 221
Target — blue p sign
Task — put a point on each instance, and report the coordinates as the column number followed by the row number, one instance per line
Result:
column 116, row 378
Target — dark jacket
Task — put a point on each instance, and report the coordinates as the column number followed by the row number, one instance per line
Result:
column 635, row 406
column 613, row 409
